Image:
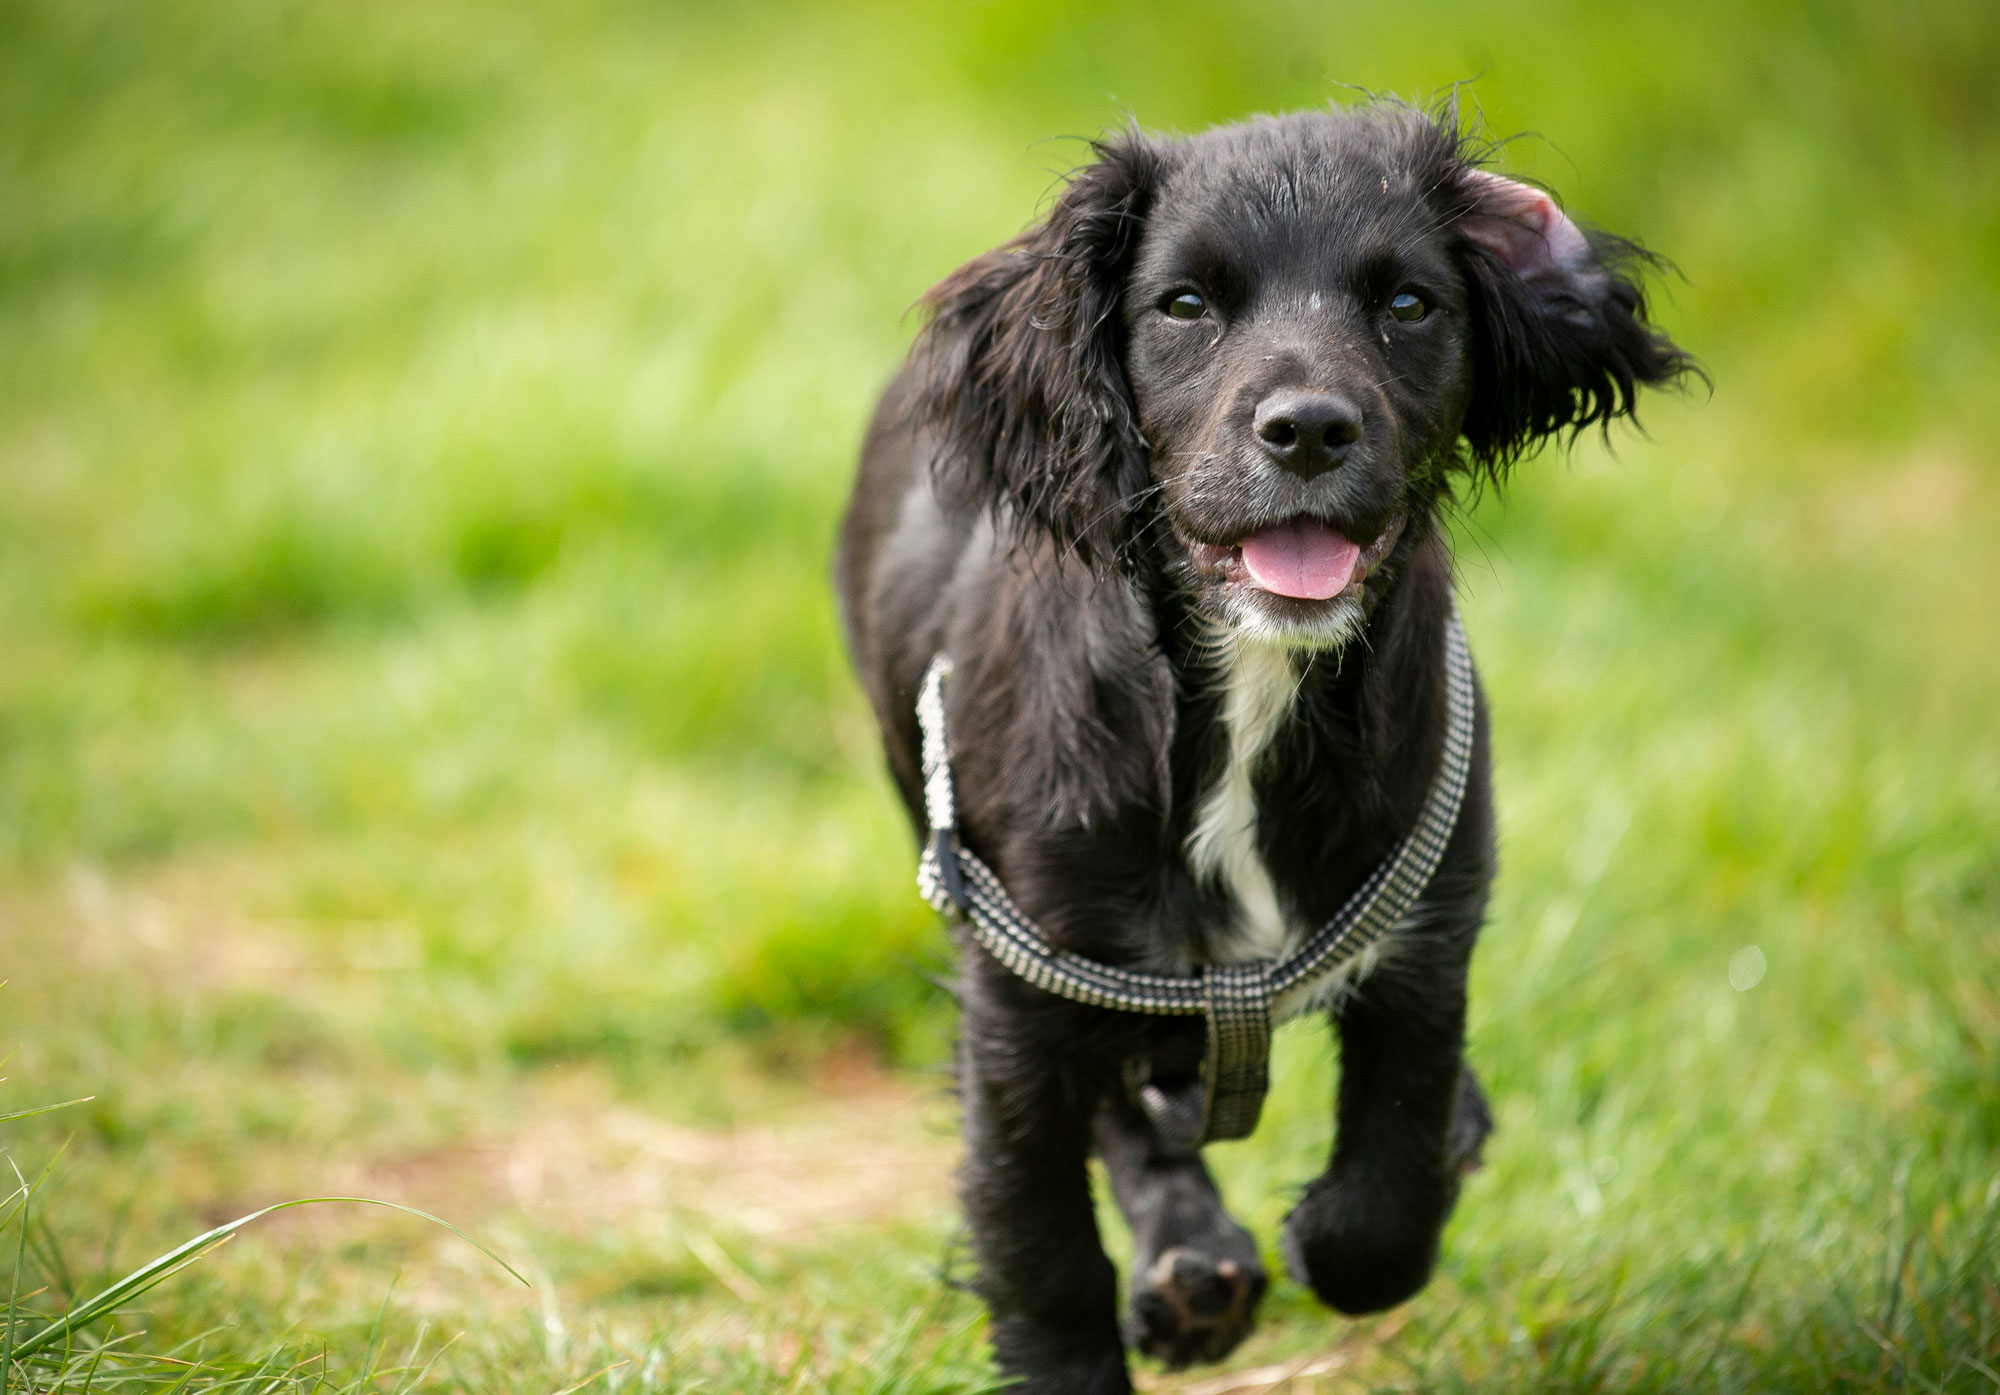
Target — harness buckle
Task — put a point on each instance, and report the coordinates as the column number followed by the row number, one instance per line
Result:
column 1178, row 1111
column 944, row 847
column 1225, row 1098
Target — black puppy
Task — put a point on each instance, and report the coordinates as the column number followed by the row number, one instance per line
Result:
column 1163, row 477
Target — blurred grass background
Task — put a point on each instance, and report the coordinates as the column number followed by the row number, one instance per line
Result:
column 424, row 734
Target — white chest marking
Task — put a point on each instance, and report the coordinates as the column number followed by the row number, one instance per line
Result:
column 1222, row 845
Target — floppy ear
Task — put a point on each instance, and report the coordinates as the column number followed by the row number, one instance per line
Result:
column 1024, row 363
column 1560, row 334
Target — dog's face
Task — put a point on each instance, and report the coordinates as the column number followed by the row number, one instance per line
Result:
column 1267, row 352
column 1300, row 355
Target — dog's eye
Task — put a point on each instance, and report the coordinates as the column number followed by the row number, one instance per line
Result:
column 1187, row 306
column 1408, row 306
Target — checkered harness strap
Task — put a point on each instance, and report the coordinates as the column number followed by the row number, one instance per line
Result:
column 1238, row 1000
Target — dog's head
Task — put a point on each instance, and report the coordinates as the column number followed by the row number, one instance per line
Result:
column 1267, row 353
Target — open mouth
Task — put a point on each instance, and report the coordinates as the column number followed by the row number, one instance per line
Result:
column 1300, row 558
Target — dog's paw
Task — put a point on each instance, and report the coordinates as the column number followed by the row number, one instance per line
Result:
column 1190, row 1306
column 1360, row 1254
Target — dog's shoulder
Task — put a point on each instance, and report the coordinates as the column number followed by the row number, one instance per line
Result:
column 1064, row 704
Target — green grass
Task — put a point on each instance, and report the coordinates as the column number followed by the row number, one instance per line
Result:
column 428, row 768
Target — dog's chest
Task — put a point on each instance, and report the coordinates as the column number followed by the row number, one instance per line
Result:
column 1259, row 687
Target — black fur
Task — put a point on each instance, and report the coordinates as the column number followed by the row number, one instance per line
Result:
column 1054, row 491
column 1546, row 361
column 1028, row 364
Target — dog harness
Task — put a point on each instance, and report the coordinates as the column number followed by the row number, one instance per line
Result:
column 1240, row 1002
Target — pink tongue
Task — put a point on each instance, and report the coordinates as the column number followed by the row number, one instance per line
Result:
column 1303, row 559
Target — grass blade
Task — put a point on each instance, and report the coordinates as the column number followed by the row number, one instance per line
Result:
column 167, row 1265
column 43, row 1109
column 14, row 1287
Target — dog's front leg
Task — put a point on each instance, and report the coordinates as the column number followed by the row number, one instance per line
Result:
column 1411, row 1118
column 1028, row 1098
column 1196, row 1276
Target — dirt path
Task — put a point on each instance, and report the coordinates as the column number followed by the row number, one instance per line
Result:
column 873, row 1151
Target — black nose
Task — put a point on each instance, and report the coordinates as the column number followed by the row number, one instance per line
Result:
column 1307, row 432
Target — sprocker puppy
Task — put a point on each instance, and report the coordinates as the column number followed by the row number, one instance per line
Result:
column 1162, row 480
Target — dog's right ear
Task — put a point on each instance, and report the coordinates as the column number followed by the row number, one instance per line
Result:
column 1023, row 363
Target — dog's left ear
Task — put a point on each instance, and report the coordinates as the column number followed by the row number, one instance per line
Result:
column 1560, row 335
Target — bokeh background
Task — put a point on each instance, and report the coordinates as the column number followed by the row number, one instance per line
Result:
column 428, row 767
